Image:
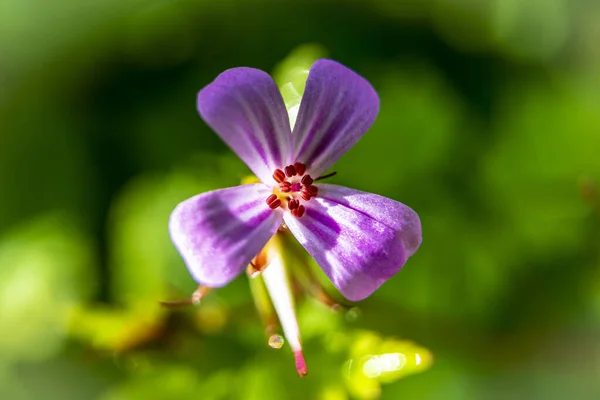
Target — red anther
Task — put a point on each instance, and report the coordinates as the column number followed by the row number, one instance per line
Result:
column 313, row 190
column 278, row 175
column 307, row 180
column 285, row 187
column 293, row 204
column 271, row 198
column 273, row 201
column 275, row 204
column 290, row 171
column 300, row 168
column 305, row 194
column 299, row 211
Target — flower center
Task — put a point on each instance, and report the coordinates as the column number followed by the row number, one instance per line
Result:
column 295, row 187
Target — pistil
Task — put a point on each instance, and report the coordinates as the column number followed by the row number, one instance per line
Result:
column 290, row 171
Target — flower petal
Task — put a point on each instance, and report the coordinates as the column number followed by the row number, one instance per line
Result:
column 219, row 232
column 337, row 108
column 244, row 106
column 359, row 239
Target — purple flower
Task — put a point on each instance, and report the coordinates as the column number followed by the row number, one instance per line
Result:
column 358, row 239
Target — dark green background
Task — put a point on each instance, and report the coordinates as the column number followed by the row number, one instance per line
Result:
column 489, row 128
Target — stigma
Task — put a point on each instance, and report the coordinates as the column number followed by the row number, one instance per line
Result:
column 294, row 188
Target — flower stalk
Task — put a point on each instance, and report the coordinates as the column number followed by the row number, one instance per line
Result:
column 280, row 291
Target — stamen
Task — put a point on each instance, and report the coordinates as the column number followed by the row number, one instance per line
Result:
column 273, row 201
column 298, row 211
column 290, row 171
column 300, row 168
column 301, row 210
column 307, row 180
column 271, row 198
column 326, row 176
column 305, row 194
column 304, row 187
column 285, row 187
column 275, row 204
column 278, row 175
column 293, row 204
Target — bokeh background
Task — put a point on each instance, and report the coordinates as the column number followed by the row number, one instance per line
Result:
column 489, row 128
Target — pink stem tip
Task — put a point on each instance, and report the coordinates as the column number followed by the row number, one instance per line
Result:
column 300, row 363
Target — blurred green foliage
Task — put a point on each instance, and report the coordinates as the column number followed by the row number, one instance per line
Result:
column 489, row 128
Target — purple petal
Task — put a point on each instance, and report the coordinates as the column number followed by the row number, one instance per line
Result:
column 244, row 106
column 359, row 239
column 218, row 233
column 337, row 108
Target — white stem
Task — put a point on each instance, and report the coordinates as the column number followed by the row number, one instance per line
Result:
column 281, row 295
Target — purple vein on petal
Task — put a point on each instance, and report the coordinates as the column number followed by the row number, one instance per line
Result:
column 245, row 108
column 219, row 232
column 321, row 124
column 322, row 219
column 267, row 133
column 394, row 214
column 359, row 239
column 337, row 108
